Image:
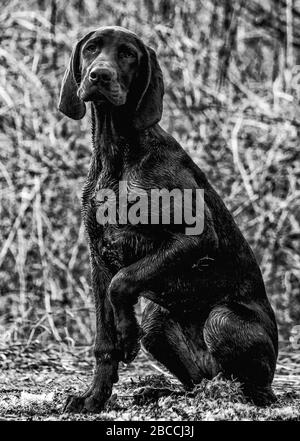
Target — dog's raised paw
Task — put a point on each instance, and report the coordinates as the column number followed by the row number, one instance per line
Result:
column 131, row 352
column 129, row 349
column 129, row 342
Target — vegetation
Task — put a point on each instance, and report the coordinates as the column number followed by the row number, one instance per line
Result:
column 36, row 380
column 231, row 71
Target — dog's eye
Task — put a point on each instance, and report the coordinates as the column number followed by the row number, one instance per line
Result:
column 91, row 48
column 126, row 53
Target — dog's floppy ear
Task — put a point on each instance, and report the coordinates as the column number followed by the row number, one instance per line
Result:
column 150, row 90
column 69, row 103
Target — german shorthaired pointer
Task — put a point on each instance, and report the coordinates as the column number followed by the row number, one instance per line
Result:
column 207, row 310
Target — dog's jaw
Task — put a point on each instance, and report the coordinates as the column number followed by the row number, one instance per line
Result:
column 117, row 96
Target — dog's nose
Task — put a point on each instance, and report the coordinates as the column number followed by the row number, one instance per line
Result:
column 102, row 74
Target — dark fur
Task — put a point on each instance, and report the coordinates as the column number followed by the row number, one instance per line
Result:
column 207, row 307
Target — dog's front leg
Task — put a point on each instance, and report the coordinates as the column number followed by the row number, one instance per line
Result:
column 106, row 369
column 144, row 276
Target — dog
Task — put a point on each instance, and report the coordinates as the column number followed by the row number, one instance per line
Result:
column 207, row 310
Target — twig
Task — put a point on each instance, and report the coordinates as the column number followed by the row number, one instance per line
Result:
column 239, row 164
column 27, row 199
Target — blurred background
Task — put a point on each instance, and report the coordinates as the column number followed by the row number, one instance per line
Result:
column 232, row 76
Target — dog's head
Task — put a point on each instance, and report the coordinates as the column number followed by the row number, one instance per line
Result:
column 113, row 66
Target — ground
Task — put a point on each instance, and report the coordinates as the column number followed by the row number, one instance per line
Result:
column 35, row 381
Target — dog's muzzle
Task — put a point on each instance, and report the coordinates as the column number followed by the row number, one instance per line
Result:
column 103, row 81
column 102, row 75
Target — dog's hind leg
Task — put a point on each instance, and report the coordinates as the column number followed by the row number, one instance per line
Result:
column 233, row 340
column 243, row 339
column 172, row 346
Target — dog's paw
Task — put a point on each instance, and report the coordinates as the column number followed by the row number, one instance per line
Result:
column 92, row 401
column 82, row 404
column 76, row 404
column 260, row 396
column 73, row 404
column 129, row 341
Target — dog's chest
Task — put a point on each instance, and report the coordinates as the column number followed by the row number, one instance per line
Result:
column 123, row 245
column 122, row 241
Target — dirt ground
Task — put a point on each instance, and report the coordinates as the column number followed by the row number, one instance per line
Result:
column 35, row 382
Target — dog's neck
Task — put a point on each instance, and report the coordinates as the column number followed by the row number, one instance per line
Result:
column 112, row 137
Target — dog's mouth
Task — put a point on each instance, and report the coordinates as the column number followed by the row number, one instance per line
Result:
column 114, row 93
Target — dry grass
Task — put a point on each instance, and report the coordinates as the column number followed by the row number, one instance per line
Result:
column 244, row 135
column 35, row 381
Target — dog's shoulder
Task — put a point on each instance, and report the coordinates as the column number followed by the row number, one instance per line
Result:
column 167, row 152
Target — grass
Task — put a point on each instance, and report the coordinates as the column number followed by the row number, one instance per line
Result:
column 36, row 380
